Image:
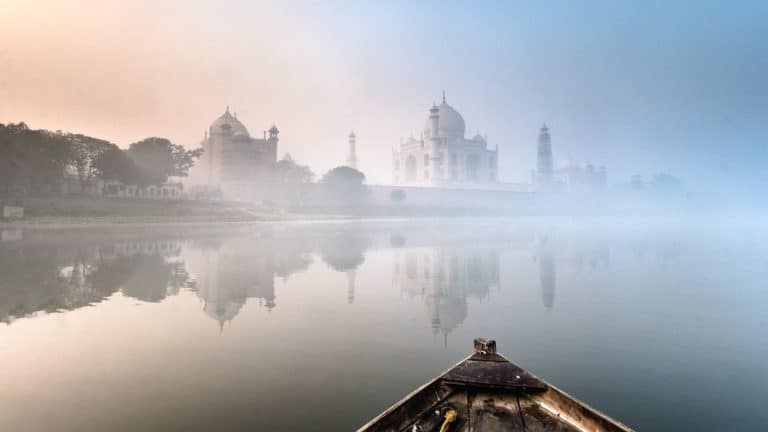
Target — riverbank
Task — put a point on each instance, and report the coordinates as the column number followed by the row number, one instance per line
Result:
column 91, row 211
column 74, row 211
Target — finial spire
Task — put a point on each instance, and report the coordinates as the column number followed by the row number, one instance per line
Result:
column 443, row 96
column 227, row 108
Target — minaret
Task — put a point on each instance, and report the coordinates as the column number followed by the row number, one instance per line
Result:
column 352, row 156
column 273, row 131
column 544, row 172
column 271, row 147
column 433, row 115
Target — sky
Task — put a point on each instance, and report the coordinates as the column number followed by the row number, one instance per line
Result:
column 640, row 87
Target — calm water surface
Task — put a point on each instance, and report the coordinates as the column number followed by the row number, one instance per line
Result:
column 662, row 325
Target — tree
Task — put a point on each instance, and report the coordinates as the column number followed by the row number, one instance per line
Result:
column 344, row 185
column 84, row 151
column 344, row 176
column 183, row 160
column 157, row 159
column 286, row 170
column 115, row 164
column 31, row 159
column 397, row 195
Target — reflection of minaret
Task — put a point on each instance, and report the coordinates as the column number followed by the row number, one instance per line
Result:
column 351, row 286
column 352, row 157
column 547, row 275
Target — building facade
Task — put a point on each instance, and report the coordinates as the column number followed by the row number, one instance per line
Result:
column 442, row 156
column 231, row 156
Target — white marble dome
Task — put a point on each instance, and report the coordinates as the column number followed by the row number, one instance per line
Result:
column 228, row 124
column 450, row 123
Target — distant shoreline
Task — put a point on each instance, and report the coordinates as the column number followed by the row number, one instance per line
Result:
column 75, row 211
column 54, row 222
column 51, row 212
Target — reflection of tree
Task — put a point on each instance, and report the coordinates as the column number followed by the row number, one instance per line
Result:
column 152, row 278
column 290, row 261
column 81, row 281
column 344, row 252
column 396, row 240
column 30, row 282
column 45, row 279
column 110, row 275
column 49, row 279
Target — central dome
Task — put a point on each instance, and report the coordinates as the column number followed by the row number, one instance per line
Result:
column 228, row 124
column 450, row 123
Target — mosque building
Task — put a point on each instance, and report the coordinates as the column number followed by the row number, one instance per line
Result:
column 232, row 156
column 442, row 156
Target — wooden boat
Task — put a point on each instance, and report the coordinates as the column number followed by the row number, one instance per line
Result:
column 487, row 392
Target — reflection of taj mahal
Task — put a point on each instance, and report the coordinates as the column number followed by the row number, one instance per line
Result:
column 442, row 155
column 444, row 278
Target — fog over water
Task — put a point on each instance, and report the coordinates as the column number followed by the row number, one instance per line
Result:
column 245, row 215
column 323, row 325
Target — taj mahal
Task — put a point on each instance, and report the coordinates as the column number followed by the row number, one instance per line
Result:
column 435, row 169
column 443, row 156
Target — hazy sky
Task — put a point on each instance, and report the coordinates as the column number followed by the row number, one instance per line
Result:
column 642, row 87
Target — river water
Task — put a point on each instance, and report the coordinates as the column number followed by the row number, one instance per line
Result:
column 320, row 326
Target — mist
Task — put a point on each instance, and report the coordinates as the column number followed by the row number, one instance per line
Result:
column 213, row 212
column 641, row 89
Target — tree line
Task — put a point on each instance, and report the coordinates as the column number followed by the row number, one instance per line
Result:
column 38, row 160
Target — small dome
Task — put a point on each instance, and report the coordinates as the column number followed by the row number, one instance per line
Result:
column 450, row 122
column 228, row 124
